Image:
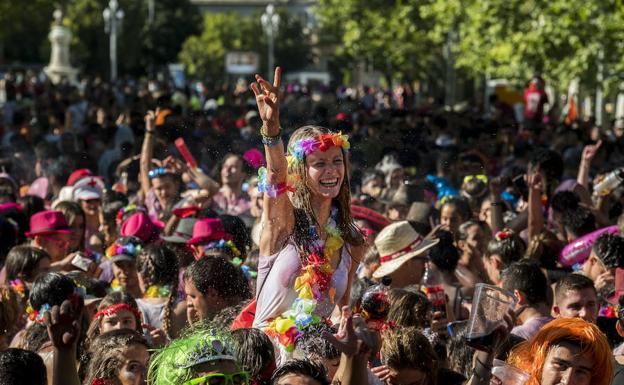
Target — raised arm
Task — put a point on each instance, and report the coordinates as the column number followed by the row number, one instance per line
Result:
column 536, row 216
column 146, row 152
column 589, row 152
column 278, row 217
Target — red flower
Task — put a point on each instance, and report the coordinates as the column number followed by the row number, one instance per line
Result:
column 316, row 259
column 325, row 142
column 502, row 235
column 98, row 381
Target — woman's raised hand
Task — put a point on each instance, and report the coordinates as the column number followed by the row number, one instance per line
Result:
column 267, row 99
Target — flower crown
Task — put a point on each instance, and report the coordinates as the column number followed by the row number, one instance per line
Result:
column 223, row 245
column 117, row 249
column 129, row 209
column 306, row 146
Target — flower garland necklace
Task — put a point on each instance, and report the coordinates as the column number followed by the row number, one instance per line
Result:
column 157, row 291
column 314, row 280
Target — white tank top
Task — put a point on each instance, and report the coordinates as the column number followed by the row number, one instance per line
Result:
column 278, row 294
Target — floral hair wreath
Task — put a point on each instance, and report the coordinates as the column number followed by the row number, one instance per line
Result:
column 503, row 234
column 306, row 146
column 117, row 249
column 129, row 209
column 297, row 153
column 223, row 245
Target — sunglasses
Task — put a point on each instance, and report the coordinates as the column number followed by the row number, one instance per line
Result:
column 482, row 178
column 240, row 378
column 62, row 244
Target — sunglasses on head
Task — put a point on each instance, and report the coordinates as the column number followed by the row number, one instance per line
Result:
column 240, row 378
column 157, row 172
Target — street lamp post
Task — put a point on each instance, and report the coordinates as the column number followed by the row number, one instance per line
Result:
column 113, row 16
column 270, row 23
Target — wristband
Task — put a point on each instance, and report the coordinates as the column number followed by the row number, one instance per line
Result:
column 271, row 141
column 267, row 136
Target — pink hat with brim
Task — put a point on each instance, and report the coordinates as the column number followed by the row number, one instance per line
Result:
column 48, row 222
column 208, row 230
column 141, row 226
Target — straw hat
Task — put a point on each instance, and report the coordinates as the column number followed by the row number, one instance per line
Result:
column 397, row 244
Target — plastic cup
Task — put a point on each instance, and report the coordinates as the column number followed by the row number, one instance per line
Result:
column 503, row 373
column 486, row 322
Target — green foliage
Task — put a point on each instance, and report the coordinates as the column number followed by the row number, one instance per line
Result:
column 392, row 34
column 24, row 27
column 515, row 39
column 204, row 54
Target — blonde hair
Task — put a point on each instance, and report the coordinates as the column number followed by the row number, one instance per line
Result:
column 10, row 311
column 530, row 356
column 301, row 198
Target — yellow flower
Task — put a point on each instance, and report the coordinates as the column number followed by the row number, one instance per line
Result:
column 282, row 325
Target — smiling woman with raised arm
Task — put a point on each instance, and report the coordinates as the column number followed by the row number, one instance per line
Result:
column 309, row 245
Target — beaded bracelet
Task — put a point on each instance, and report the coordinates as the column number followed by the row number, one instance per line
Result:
column 265, row 135
column 271, row 141
column 275, row 190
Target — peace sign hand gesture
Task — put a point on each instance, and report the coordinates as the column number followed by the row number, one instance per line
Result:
column 267, row 99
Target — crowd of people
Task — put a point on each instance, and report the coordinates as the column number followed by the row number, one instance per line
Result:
column 284, row 234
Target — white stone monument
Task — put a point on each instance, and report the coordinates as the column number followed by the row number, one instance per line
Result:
column 60, row 67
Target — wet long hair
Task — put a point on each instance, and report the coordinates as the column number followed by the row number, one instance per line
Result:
column 158, row 265
column 302, row 202
column 107, row 358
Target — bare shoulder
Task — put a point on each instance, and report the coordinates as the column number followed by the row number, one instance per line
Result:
column 357, row 252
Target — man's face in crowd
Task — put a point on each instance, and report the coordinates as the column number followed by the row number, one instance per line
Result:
column 566, row 365
column 232, row 171
column 166, row 189
column 56, row 245
column 578, row 303
column 410, row 273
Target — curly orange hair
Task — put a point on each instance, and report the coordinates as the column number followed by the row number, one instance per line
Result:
column 530, row 356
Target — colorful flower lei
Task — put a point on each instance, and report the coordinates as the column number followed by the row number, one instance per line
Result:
column 18, row 286
column 222, row 245
column 313, row 281
column 323, row 142
column 157, row 291
column 37, row 315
